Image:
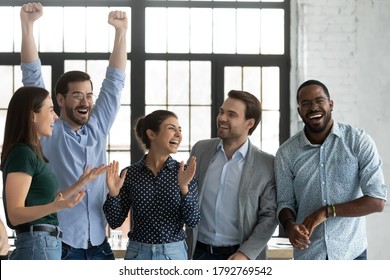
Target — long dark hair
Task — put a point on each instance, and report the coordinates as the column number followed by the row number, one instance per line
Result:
column 19, row 128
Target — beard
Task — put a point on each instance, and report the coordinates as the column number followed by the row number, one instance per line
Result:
column 72, row 117
column 317, row 129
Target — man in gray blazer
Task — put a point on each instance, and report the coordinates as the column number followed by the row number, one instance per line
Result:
column 237, row 194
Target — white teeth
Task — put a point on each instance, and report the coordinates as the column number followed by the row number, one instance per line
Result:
column 174, row 142
column 316, row 116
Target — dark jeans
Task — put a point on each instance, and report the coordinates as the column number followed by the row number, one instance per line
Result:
column 362, row 256
column 100, row 252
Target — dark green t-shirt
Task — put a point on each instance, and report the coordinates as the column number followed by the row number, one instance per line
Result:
column 44, row 184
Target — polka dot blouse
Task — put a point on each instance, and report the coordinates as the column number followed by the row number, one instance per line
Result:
column 158, row 210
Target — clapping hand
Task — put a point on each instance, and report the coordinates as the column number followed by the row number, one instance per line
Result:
column 115, row 182
column 185, row 176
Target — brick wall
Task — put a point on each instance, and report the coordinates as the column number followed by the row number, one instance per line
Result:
column 346, row 45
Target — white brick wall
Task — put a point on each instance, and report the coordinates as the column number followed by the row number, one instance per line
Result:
column 346, row 45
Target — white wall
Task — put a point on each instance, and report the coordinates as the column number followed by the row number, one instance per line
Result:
column 346, row 45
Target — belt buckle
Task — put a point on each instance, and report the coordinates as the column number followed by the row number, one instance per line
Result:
column 211, row 249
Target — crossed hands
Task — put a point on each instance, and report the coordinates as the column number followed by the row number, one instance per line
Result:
column 299, row 234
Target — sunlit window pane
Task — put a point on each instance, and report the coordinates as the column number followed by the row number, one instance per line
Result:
column 3, row 116
column 6, row 34
column 155, row 30
column 18, row 78
column 70, row 65
column 17, row 29
column 224, row 31
column 270, row 88
column 123, row 157
column 6, row 85
column 51, row 30
column 201, row 30
column 270, row 127
column 97, row 70
column 150, row 109
column 233, row 79
column 119, row 138
column 178, row 82
column 74, row 29
column 46, row 73
column 251, row 80
column 248, row 31
column 178, row 30
column 200, row 82
column 256, row 137
column 200, row 115
column 272, row 31
column 97, row 29
column 126, row 92
column 155, row 82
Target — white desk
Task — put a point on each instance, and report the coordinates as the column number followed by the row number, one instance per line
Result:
column 278, row 249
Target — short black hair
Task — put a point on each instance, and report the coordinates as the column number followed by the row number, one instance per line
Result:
column 313, row 82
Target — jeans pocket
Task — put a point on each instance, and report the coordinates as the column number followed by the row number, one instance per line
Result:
column 131, row 254
column 106, row 250
column 51, row 242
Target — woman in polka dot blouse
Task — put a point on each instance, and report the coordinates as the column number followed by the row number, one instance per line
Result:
column 160, row 191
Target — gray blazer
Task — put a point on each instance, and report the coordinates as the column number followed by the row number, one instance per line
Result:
column 257, row 198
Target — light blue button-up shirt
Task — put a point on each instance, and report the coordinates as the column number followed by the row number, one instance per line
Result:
column 345, row 167
column 219, row 215
column 69, row 152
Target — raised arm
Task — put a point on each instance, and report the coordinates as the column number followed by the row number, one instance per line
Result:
column 118, row 58
column 29, row 13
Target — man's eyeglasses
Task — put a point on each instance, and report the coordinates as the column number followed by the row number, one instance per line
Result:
column 320, row 101
column 78, row 96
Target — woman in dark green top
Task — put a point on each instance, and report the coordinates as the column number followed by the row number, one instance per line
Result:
column 30, row 189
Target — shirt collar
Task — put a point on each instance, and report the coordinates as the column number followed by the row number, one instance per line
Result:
column 170, row 163
column 243, row 150
column 335, row 131
column 80, row 131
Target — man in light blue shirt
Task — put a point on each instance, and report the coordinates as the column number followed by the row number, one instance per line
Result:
column 79, row 136
column 328, row 177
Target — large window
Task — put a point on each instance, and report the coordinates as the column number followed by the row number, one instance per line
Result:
column 182, row 55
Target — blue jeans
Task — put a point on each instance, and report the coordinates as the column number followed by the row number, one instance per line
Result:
column 144, row 251
column 99, row 252
column 37, row 245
